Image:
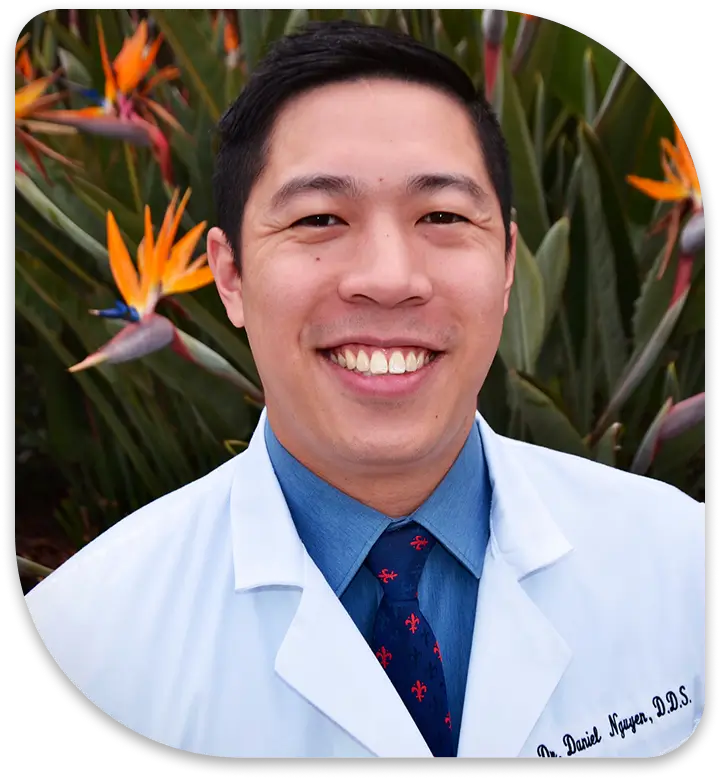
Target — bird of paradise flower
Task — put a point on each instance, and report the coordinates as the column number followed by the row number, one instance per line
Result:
column 231, row 35
column 164, row 267
column 127, row 110
column 681, row 187
column 31, row 115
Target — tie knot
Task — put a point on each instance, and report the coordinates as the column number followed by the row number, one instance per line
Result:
column 397, row 560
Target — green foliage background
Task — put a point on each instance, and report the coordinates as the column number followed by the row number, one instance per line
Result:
column 592, row 358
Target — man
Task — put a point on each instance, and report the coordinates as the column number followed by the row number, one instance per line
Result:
column 380, row 574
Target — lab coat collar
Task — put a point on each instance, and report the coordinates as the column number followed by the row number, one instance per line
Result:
column 517, row 657
column 322, row 656
column 267, row 548
column 521, row 528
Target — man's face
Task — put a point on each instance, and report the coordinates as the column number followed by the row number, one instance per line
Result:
column 374, row 276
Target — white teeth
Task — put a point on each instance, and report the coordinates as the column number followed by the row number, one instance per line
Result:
column 362, row 364
column 378, row 363
column 397, row 363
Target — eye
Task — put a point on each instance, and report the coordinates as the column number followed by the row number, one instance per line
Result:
column 442, row 218
column 318, row 220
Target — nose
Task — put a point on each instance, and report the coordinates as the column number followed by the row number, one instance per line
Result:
column 387, row 268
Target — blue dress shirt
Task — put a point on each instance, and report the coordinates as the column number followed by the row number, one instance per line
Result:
column 339, row 531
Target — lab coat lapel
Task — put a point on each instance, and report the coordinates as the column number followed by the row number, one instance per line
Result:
column 322, row 656
column 325, row 658
column 517, row 656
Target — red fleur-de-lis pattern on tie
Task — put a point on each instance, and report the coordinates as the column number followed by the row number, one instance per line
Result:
column 403, row 641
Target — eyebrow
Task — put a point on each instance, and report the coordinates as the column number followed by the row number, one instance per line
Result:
column 350, row 187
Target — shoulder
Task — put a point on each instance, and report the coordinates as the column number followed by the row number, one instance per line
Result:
column 139, row 549
column 580, row 487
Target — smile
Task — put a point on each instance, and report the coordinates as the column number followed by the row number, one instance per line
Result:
column 371, row 361
column 391, row 374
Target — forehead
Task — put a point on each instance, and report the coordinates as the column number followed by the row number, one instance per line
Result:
column 373, row 128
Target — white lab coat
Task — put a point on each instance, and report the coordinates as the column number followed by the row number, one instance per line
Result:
column 201, row 622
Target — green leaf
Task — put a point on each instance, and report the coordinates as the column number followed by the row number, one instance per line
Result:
column 57, row 218
column 602, row 271
column 251, row 34
column 189, row 35
column 557, row 54
column 627, row 283
column 553, row 258
column 693, row 318
column 608, row 446
column 277, row 26
column 297, row 20
column 548, row 425
column 526, row 182
column 72, row 43
column 93, row 392
column 211, row 361
column 654, row 299
column 39, row 240
column 493, row 400
column 624, row 120
column 590, row 86
column 524, row 324
column 102, row 201
column 222, row 335
column 639, row 366
column 29, row 568
column 539, row 124
column 646, row 451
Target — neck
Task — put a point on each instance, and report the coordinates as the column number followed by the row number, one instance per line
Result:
column 395, row 490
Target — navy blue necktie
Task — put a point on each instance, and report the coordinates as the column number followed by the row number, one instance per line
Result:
column 403, row 640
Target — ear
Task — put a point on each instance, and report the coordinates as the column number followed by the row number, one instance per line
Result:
column 227, row 277
column 510, row 265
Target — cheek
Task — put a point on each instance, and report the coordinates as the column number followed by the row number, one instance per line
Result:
column 477, row 287
column 280, row 299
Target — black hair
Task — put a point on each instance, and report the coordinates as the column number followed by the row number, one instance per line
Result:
column 325, row 53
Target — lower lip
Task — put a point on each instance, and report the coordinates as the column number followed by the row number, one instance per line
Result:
column 384, row 385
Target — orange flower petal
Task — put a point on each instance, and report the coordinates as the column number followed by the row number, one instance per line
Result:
column 121, row 265
column 659, row 190
column 150, row 57
column 90, row 111
column 21, row 42
column 110, row 84
column 164, row 241
column 151, row 268
column 181, row 254
column 149, row 240
column 24, row 65
column 672, row 154
column 26, row 96
column 129, row 64
column 192, row 281
column 686, row 161
column 670, row 175
column 168, row 230
column 165, row 74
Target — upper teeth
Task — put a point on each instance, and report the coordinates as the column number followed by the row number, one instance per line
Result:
column 380, row 361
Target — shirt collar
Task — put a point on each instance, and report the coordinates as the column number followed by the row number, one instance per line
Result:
column 339, row 531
